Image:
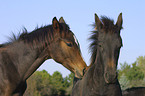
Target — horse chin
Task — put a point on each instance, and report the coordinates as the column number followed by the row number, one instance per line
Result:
column 80, row 75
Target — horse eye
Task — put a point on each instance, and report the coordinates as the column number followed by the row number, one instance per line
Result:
column 69, row 44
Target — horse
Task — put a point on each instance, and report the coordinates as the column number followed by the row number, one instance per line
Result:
column 20, row 58
column 134, row 91
column 100, row 78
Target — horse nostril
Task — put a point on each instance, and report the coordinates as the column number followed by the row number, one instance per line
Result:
column 106, row 77
column 110, row 78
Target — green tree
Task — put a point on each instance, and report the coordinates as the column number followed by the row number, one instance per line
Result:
column 39, row 84
column 124, row 68
column 70, row 83
column 124, row 82
column 42, row 83
column 57, row 82
column 134, row 73
column 141, row 63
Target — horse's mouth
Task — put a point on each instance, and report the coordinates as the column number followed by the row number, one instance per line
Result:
column 85, row 70
column 78, row 75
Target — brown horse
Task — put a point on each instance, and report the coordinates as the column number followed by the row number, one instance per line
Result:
column 134, row 91
column 101, row 76
column 20, row 58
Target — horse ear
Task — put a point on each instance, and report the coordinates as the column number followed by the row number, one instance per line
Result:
column 61, row 20
column 98, row 22
column 55, row 24
column 119, row 21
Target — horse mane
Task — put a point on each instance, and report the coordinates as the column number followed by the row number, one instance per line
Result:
column 93, row 45
column 38, row 35
column 14, row 37
column 108, row 24
column 43, row 34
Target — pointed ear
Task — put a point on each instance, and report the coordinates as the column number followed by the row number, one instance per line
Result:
column 61, row 20
column 119, row 21
column 98, row 22
column 55, row 24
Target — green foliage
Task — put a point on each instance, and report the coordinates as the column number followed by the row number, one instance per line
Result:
column 124, row 69
column 124, row 82
column 57, row 83
column 132, row 75
column 42, row 83
column 39, row 84
column 69, row 79
column 141, row 63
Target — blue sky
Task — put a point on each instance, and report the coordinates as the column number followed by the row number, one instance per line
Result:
column 79, row 14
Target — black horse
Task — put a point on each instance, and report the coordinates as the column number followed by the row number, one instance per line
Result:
column 101, row 76
column 20, row 58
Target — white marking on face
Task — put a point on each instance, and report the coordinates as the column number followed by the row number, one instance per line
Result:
column 76, row 41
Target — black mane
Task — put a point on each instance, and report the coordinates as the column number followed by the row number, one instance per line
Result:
column 107, row 23
column 93, row 46
column 43, row 34
column 38, row 35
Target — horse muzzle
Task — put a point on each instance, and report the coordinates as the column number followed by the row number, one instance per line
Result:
column 110, row 77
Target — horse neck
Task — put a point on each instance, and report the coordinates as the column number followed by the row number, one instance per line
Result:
column 25, row 58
